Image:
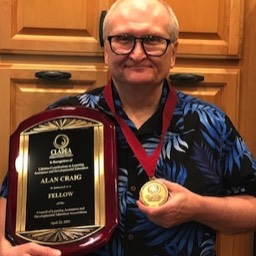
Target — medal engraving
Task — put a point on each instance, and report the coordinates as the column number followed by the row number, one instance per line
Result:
column 154, row 193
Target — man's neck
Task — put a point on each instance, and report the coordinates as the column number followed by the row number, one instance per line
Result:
column 139, row 103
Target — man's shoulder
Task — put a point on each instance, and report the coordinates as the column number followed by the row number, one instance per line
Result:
column 189, row 102
column 77, row 100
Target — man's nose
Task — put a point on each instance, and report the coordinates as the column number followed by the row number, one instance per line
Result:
column 138, row 50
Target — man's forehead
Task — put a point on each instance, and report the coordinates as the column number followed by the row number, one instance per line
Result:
column 137, row 24
column 130, row 6
column 140, row 17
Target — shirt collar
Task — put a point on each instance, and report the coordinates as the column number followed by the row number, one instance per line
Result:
column 154, row 124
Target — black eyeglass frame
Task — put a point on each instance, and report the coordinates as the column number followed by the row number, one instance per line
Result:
column 168, row 42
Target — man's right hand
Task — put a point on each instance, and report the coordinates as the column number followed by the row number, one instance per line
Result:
column 27, row 249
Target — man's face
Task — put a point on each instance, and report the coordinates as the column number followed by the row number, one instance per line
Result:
column 137, row 68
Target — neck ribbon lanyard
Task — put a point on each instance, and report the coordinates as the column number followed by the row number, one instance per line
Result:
column 148, row 162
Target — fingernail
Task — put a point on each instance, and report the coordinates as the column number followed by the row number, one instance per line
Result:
column 57, row 253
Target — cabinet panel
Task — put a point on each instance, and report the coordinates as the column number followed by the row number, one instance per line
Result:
column 210, row 28
column 236, row 245
column 25, row 95
column 52, row 27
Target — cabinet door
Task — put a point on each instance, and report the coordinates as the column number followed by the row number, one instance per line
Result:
column 209, row 28
column 53, row 27
column 22, row 95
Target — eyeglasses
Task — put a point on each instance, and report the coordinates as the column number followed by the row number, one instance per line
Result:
column 152, row 45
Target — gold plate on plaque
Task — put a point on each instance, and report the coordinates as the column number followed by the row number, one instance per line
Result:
column 154, row 193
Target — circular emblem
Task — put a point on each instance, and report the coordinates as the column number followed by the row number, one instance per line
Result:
column 61, row 141
column 154, row 193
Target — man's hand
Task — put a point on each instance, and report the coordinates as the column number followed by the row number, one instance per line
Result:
column 219, row 213
column 180, row 207
column 28, row 249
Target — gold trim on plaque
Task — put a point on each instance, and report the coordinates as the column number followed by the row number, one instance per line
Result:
column 99, row 173
column 60, row 235
column 64, row 234
column 64, row 123
column 21, row 167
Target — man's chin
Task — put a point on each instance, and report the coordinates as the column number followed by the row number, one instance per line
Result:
column 138, row 82
column 141, row 78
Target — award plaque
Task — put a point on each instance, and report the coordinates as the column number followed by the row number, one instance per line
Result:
column 62, row 181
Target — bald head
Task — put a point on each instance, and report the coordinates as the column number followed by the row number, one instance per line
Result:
column 131, row 8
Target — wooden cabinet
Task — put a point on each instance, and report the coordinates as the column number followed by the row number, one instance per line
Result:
column 24, row 95
column 55, row 27
column 41, row 35
column 209, row 28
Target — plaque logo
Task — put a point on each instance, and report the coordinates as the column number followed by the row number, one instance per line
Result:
column 61, row 141
column 61, row 149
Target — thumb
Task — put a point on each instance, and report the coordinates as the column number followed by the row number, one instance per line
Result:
column 36, row 249
column 171, row 186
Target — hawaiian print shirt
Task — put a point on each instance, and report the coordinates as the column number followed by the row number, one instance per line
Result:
column 202, row 151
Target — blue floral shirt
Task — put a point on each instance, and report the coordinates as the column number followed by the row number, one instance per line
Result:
column 202, row 151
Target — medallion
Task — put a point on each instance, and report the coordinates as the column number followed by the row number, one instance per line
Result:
column 154, row 193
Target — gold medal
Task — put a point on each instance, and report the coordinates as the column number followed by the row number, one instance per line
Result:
column 154, row 193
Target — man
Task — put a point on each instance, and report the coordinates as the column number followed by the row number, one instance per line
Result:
column 191, row 146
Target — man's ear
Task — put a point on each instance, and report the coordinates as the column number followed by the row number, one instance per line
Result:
column 174, row 53
column 105, row 54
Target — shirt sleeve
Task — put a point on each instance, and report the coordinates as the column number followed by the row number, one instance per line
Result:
column 64, row 102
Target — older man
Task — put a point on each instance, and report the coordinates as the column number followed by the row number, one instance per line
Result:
column 188, row 148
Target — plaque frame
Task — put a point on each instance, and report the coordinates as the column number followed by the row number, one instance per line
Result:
column 71, row 240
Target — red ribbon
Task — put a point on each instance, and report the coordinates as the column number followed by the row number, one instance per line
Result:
column 148, row 162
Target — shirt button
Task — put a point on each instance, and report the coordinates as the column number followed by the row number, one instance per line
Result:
column 133, row 188
column 130, row 237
